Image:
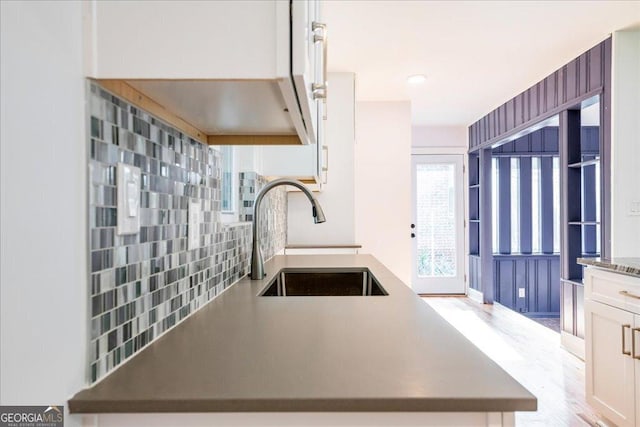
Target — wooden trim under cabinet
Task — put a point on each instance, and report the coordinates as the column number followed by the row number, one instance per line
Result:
column 307, row 180
column 123, row 90
column 253, row 140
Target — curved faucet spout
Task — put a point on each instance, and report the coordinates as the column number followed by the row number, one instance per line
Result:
column 257, row 263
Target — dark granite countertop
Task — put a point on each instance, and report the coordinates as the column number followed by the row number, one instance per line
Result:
column 629, row 266
column 243, row 353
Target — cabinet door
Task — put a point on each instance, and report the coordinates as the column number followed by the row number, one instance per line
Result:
column 199, row 40
column 322, row 153
column 636, row 362
column 309, row 162
column 609, row 365
column 298, row 162
column 304, row 61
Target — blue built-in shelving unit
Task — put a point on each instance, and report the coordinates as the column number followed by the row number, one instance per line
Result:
column 474, row 222
column 527, row 278
column 584, row 164
column 580, row 159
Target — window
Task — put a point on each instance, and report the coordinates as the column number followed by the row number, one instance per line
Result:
column 556, row 205
column 515, row 205
column 495, row 188
column 436, row 231
column 536, row 216
column 597, row 166
column 545, row 203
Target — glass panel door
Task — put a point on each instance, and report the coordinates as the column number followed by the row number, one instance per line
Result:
column 437, row 225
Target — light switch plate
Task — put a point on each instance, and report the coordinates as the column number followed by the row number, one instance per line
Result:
column 193, row 227
column 128, row 198
column 521, row 293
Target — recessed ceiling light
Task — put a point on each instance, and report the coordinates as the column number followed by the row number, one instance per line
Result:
column 416, row 79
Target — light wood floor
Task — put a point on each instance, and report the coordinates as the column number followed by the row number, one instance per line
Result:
column 528, row 351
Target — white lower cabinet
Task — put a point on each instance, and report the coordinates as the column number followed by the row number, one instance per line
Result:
column 318, row 419
column 613, row 346
column 610, row 375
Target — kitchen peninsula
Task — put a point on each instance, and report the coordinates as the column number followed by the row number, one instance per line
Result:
column 347, row 357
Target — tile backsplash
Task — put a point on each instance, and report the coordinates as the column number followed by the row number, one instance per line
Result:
column 143, row 284
column 273, row 225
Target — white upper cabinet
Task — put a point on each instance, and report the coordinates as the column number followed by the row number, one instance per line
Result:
column 309, row 58
column 240, row 69
column 312, row 164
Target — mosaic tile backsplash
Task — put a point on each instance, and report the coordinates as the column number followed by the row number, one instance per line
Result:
column 143, row 284
column 273, row 225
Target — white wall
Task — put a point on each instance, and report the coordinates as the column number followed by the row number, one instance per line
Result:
column 337, row 196
column 441, row 138
column 625, row 144
column 43, row 273
column 383, row 183
column 248, row 158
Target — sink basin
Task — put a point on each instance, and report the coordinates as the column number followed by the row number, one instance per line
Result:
column 289, row 283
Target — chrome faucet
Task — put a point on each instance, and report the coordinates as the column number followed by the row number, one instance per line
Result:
column 257, row 263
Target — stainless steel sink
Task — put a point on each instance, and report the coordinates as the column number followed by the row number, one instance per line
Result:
column 323, row 282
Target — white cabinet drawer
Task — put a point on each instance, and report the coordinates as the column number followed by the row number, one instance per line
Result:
column 614, row 289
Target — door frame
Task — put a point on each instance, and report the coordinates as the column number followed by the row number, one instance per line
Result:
column 461, row 153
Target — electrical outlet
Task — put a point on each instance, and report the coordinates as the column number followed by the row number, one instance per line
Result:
column 634, row 208
column 128, row 199
column 521, row 293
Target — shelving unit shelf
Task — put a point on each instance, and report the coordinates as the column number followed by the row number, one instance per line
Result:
column 582, row 204
column 474, row 221
column 577, row 282
column 585, row 163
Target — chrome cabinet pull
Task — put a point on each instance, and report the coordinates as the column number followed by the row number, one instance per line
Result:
column 629, row 294
column 364, row 284
column 283, row 284
column 633, row 343
column 320, row 89
column 627, row 353
column 325, row 167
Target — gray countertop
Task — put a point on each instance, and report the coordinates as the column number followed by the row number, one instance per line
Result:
column 242, row 352
column 629, row 266
column 332, row 246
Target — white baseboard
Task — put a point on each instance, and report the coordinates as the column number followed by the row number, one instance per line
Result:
column 572, row 344
column 475, row 295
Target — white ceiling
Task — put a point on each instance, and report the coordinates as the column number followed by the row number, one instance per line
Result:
column 476, row 54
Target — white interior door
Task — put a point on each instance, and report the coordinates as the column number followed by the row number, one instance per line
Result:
column 437, row 227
